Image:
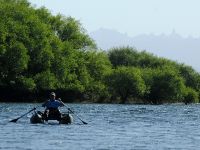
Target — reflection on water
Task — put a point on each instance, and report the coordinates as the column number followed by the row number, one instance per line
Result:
column 109, row 127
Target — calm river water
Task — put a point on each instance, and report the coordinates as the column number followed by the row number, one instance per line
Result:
column 110, row 127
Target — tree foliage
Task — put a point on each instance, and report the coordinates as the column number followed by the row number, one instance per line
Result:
column 165, row 80
column 167, row 86
column 125, row 82
column 43, row 52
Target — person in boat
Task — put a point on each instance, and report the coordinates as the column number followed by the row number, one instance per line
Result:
column 52, row 105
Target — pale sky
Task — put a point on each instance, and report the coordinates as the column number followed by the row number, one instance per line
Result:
column 133, row 17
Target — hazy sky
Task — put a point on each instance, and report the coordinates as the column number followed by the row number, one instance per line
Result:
column 133, row 17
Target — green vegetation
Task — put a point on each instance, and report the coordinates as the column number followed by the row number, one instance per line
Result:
column 40, row 52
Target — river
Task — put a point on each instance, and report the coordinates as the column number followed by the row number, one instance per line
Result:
column 110, row 127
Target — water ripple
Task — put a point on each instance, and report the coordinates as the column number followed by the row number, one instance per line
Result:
column 145, row 127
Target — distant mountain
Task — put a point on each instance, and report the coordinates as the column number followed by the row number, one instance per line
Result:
column 173, row 46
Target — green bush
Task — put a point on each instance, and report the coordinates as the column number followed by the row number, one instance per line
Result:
column 191, row 96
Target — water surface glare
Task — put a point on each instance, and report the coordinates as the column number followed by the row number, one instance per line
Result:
column 124, row 127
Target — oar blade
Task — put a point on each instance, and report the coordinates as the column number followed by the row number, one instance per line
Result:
column 84, row 122
column 14, row 120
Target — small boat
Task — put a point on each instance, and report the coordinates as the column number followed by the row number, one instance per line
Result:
column 37, row 117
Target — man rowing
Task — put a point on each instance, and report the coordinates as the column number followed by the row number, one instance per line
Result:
column 52, row 105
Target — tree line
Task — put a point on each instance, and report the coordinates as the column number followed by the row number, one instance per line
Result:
column 41, row 52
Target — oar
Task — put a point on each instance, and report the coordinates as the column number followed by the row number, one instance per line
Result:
column 72, row 112
column 15, row 120
column 77, row 116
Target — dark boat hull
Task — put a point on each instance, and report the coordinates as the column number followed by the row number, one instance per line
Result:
column 37, row 118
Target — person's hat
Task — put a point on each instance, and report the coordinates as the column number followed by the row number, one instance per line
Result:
column 52, row 93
